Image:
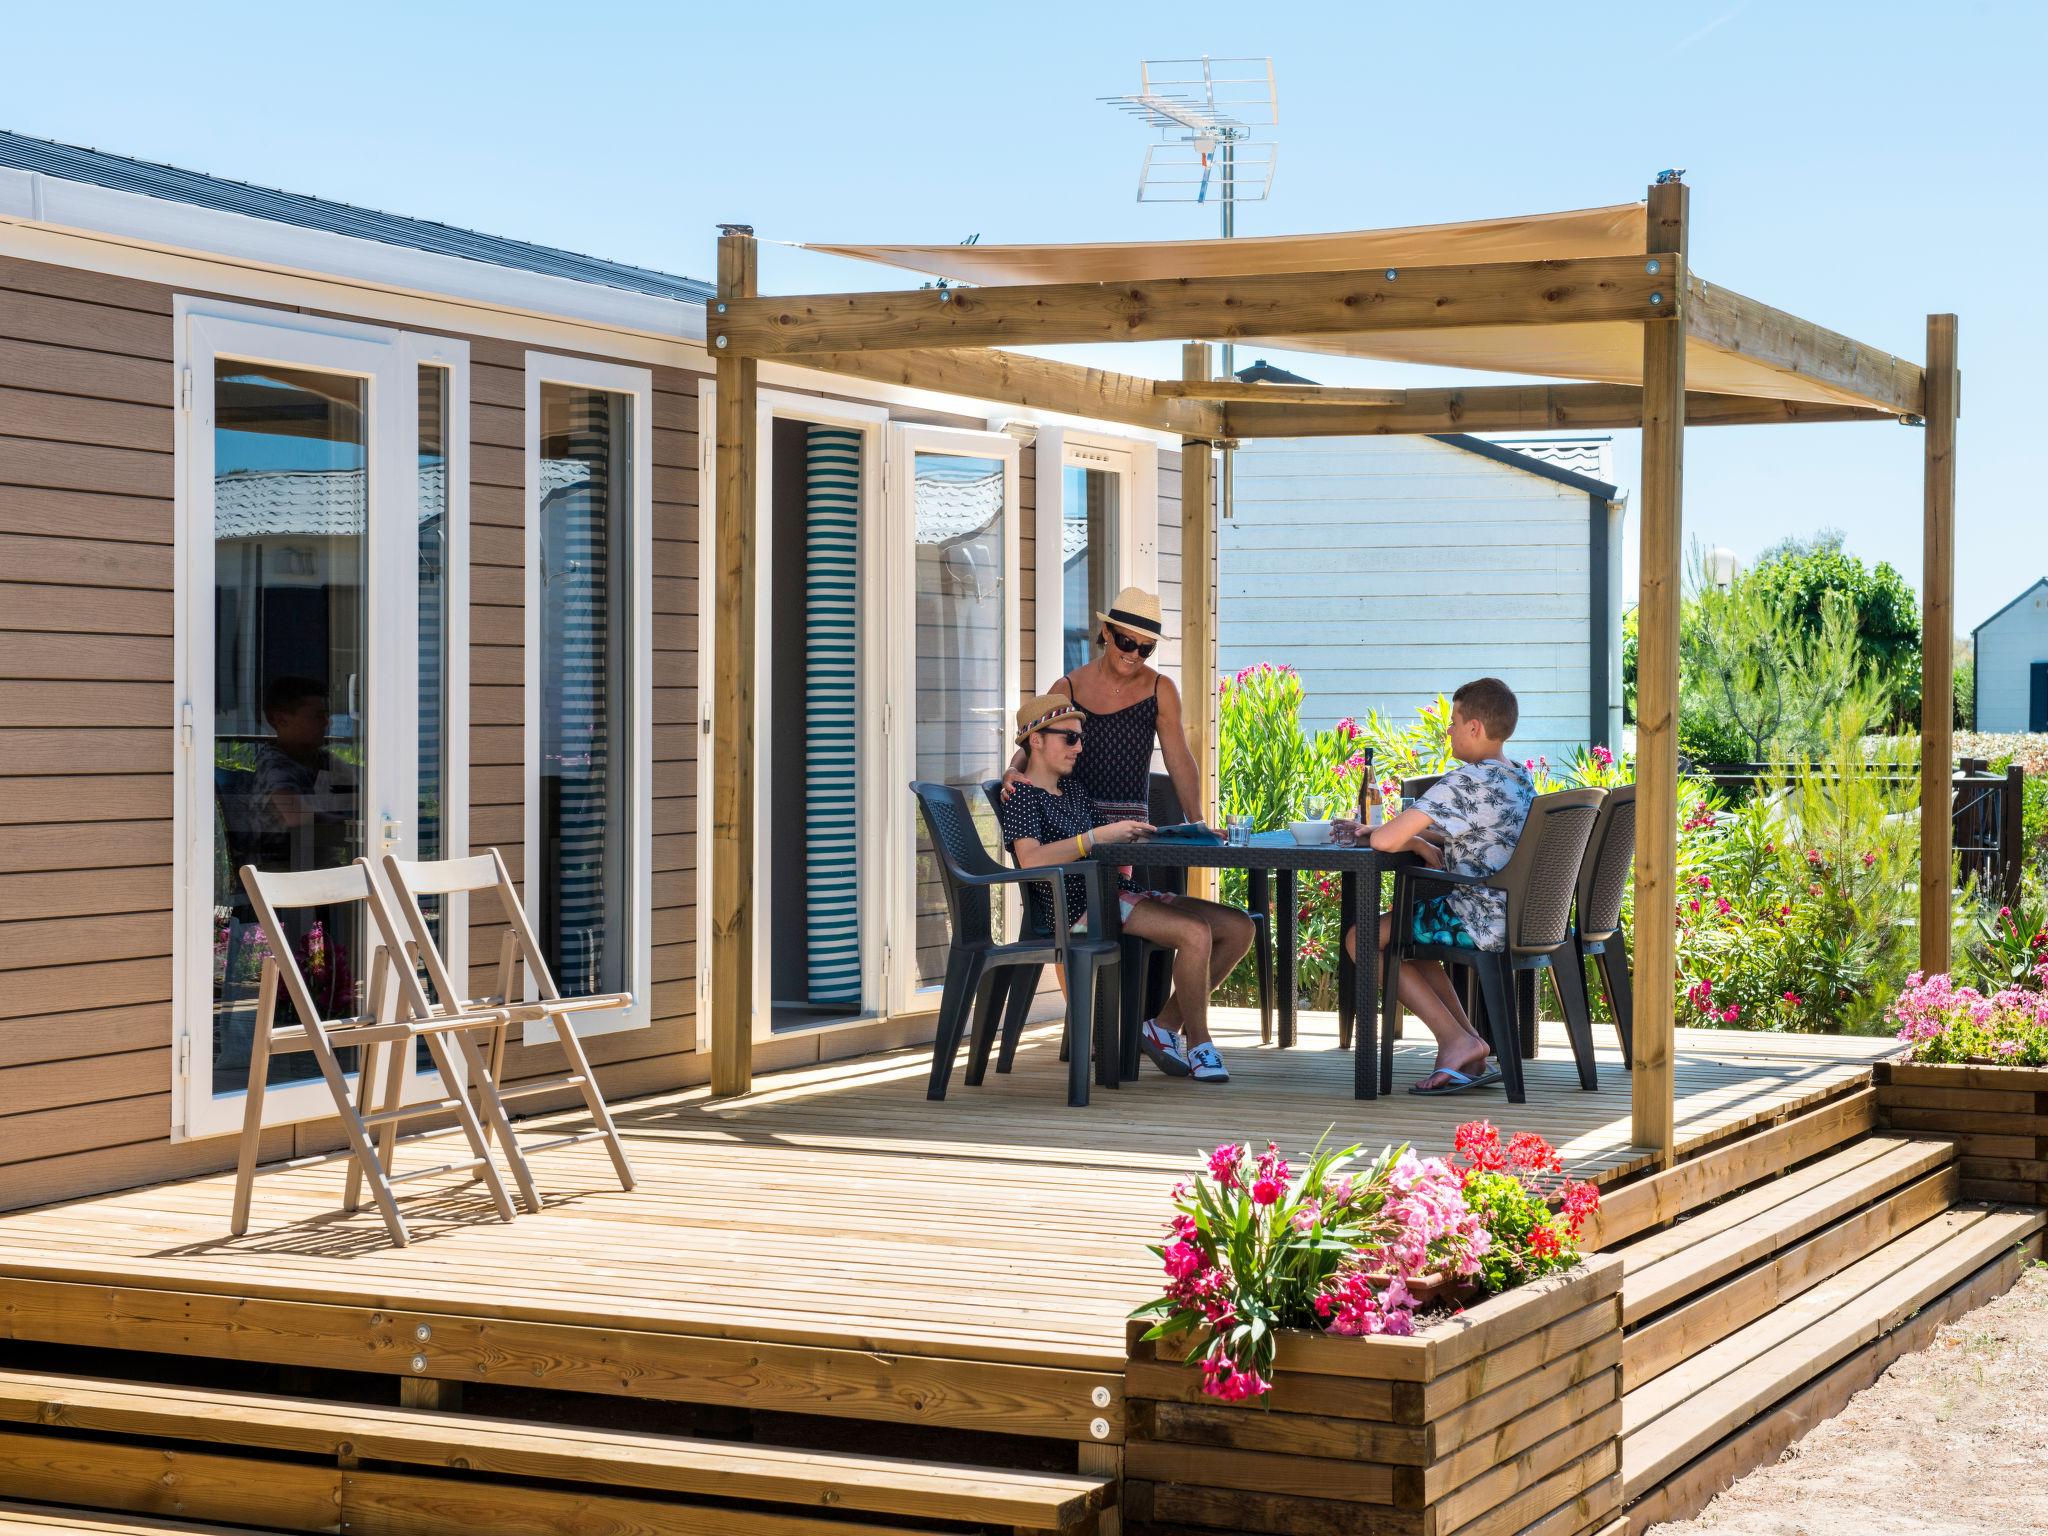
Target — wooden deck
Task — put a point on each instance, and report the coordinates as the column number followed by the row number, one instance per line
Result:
column 836, row 1208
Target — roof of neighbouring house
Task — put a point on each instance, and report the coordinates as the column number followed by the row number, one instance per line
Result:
column 119, row 173
column 2025, row 593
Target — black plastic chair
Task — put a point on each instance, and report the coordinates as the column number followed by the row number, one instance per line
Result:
column 1596, row 927
column 979, row 967
column 1539, row 881
column 1165, row 811
column 1136, row 967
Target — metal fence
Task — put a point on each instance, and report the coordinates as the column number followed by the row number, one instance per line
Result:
column 1986, row 814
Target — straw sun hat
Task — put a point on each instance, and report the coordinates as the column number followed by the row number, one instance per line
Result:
column 1047, row 709
column 1135, row 611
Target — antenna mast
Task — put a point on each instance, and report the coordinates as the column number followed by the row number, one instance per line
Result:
column 1205, row 111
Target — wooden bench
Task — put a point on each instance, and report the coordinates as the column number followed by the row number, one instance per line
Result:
column 343, row 1456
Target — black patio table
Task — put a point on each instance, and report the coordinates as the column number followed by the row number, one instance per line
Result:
column 1277, row 856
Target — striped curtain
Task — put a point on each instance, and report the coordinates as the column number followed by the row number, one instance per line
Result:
column 831, row 663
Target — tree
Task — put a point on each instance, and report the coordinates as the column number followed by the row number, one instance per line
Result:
column 1802, row 577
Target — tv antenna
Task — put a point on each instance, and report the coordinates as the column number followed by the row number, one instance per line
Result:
column 1205, row 111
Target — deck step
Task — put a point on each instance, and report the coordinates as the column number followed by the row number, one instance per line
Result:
column 1684, row 1411
column 46, row 1519
column 37, row 1407
column 1665, row 1268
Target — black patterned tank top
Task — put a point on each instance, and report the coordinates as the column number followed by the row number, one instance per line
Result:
column 1115, row 765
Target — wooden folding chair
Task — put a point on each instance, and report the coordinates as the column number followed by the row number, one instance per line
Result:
column 375, row 1031
column 409, row 882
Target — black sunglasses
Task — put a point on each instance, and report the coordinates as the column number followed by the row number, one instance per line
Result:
column 1126, row 644
column 1071, row 738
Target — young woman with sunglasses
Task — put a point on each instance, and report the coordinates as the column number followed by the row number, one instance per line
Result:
column 1051, row 819
column 1129, row 706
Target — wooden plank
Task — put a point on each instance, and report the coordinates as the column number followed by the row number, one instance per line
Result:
column 1298, row 1434
column 1727, row 320
column 1513, row 408
column 1175, row 1506
column 98, row 565
column 1038, row 1401
column 1385, row 1402
column 1760, row 1222
column 148, row 1480
column 1570, row 1338
column 528, row 1449
column 18, row 1519
column 1586, row 1485
column 1035, row 383
column 1958, row 1106
column 1503, row 1319
column 1937, row 641
column 1284, row 394
column 1913, row 1074
column 1660, row 586
column 1479, row 1420
column 86, row 797
column 1664, row 1342
column 1208, row 1466
column 1212, row 308
column 1543, row 1417
column 733, row 693
column 1764, row 1440
column 1652, row 1201
column 1582, row 1451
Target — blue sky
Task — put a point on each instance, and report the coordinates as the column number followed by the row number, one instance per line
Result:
column 1859, row 164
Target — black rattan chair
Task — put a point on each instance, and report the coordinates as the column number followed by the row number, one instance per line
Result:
column 1596, row 926
column 980, row 967
column 1539, row 881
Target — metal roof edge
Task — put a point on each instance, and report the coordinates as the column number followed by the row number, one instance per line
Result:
column 1548, row 471
column 2028, row 592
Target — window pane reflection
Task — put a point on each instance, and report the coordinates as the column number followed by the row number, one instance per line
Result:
column 1088, row 539
column 962, row 622
column 290, row 526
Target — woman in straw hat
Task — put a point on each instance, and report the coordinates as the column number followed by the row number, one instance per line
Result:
column 1130, row 706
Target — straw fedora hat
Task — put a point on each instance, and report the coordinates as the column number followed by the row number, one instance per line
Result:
column 1047, row 709
column 1135, row 611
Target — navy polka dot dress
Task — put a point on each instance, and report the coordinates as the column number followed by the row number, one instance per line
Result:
column 1115, row 765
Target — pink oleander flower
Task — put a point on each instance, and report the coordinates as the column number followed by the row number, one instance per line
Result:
column 1704, row 882
column 1794, row 999
column 1346, row 728
column 1183, row 1261
column 1306, row 1215
column 1723, row 905
column 1869, row 859
column 1814, row 857
column 1223, row 1164
column 1603, row 757
column 1731, row 1015
column 1266, row 1191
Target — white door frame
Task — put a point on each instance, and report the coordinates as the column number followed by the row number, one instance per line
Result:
column 204, row 330
column 898, row 590
column 869, row 421
column 1135, row 463
column 638, row 383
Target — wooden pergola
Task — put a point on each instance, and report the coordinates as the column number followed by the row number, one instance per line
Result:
column 1603, row 296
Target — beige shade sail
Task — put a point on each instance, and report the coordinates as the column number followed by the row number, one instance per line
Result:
column 1607, row 352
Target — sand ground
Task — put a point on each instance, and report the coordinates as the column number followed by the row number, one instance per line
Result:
column 1952, row 1441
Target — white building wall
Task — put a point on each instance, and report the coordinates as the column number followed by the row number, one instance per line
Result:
column 1388, row 570
column 2008, row 645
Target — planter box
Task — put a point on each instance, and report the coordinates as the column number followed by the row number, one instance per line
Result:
column 1503, row 1419
column 1996, row 1116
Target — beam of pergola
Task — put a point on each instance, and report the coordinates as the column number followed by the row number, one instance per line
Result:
column 1725, row 319
column 1510, row 408
column 1514, row 293
column 1298, row 394
column 1035, row 383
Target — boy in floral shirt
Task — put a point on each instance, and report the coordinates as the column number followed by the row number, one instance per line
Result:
column 1467, row 823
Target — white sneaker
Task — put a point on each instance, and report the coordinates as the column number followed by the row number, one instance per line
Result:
column 1165, row 1048
column 1205, row 1064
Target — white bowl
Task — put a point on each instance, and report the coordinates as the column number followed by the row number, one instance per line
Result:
column 1310, row 833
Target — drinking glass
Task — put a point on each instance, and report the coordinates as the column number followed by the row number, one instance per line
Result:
column 1312, row 808
column 1237, row 829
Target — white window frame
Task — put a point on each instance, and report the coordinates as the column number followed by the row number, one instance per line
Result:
column 872, row 844
column 1135, row 462
column 204, row 329
column 898, row 592
column 637, row 383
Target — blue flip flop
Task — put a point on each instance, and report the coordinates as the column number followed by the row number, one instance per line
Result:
column 1460, row 1082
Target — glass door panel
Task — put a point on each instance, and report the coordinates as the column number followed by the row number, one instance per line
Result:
column 962, row 658
column 1089, row 542
column 290, row 604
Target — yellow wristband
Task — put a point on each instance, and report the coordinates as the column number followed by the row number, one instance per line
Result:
column 1080, row 846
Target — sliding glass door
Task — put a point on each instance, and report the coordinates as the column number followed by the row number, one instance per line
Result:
column 314, row 623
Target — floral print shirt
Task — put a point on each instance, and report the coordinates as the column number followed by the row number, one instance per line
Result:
column 1480, row 808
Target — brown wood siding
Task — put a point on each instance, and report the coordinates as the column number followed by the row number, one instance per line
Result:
column 87, row 527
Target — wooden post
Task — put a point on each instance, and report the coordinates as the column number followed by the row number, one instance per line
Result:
column 1663, row 479
column 1937, row 644
column 731, row 692
column 1198, row 610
